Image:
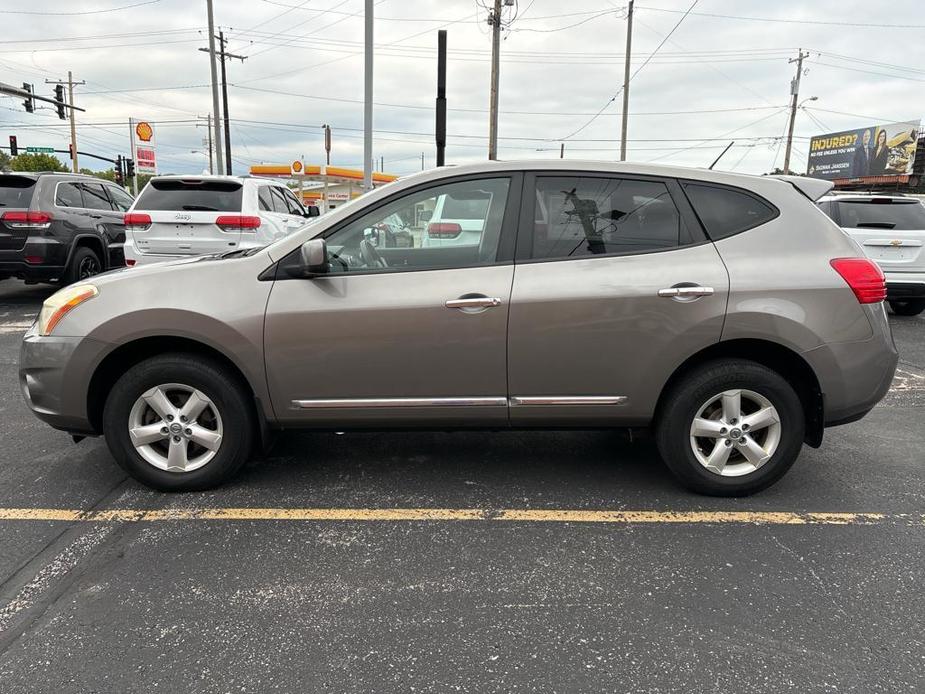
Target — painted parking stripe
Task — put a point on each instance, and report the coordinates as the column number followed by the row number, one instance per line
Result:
column 462, row 514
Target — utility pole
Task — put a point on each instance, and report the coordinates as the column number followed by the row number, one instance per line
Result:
column 70, row 101
column 562, row 151
column 218, row 134
column 795, row 95
column 422, row 161
column 626, row 78
column 494, row 19
column 223, row 55
column 440, row 125
column 327, row 144
column 208, row 140
column 368, row 99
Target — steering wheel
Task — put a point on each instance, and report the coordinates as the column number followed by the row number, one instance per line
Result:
column 371, row 256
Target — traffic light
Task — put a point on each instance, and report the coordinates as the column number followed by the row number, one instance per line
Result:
column 14, row 146
column 70, row 151
column 129, row 168
column 29, row 103
column 59, row 98
column 120, row 179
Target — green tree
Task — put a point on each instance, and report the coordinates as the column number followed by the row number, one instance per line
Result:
column 4, row 161
column 37, row 162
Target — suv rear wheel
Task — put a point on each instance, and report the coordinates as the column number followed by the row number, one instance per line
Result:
column 84, row 263
column 730, row 428
column 908, row 307
column 178, row 422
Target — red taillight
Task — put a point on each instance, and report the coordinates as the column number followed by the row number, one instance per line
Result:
column 34, row 259
column 237, row 222
column 129, row 262
column 26, row 220
column 443, row 230
column 864, row 277
column 136, row 220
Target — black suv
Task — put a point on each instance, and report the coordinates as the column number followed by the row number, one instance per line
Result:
column 57, row 226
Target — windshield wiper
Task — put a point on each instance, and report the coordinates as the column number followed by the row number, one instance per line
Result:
column 199, row 208
column 875, row 225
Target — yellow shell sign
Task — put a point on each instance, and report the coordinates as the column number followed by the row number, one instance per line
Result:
column 144, row 131
column 297, row 167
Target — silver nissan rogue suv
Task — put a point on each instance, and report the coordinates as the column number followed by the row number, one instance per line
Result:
column 726, row 312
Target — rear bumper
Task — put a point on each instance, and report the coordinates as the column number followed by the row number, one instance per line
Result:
column 905, row 285
column 854, row 376
column 47, row 259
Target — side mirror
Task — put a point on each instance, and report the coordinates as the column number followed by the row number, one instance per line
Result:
column 312, row 211
column 314, row 257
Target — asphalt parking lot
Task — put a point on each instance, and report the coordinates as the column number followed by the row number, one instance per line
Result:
column 433, row 562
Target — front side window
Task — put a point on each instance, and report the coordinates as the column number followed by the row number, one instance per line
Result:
column 294, row 206
column 95, row 197
column 279, row 202
column 264, row 201
column 68, row 195
column 586, row 216
column 406, row 234
column 727, row 211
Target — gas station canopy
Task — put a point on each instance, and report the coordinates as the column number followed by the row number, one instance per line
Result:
column 318, row 173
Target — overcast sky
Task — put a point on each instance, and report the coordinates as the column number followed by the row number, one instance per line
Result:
column 714, row 80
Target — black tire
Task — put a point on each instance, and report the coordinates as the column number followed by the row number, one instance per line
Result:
column 908, row 307
column 84, row 264
column 228, row 395
column 682, row 403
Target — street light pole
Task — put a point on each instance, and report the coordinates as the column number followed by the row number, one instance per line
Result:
column 368, row 100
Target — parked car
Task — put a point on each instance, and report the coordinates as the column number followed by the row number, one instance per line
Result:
column 180, row 216
column 60, row 227
column 724, row 311
column 891, row 230
column 457, row 220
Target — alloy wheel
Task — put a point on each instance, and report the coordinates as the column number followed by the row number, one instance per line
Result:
column 735, row 432
column 88, row 267
column 175, row 427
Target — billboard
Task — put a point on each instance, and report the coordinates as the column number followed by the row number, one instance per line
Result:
column 887, row 149
column 143, row 147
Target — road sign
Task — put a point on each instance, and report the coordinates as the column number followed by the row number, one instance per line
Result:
column 40, row 150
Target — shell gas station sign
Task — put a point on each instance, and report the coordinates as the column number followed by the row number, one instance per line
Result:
column 143, row 149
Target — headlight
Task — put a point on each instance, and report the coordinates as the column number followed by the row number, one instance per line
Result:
column 60, row 303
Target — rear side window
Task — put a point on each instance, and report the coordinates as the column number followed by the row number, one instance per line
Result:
column 264, row 201
column 279, row 202
column 476, row 208
column 882, row 213
column 122, row 200
column 68, row 195
column 583, row 216
column 294, row 206
column 192, row 195
column 95, row 197
column 727, row 211
column 16, row 191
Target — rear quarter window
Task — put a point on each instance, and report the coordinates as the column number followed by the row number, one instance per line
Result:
column 726, row 211
column 205, row 196
column 16, row 191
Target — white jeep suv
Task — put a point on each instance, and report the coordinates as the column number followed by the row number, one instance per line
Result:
column 891, row 230
column 181, row 216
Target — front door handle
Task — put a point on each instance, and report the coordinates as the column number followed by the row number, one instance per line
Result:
column 474, row 302
column 685, row 292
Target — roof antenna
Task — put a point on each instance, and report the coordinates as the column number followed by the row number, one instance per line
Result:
column 721, row 154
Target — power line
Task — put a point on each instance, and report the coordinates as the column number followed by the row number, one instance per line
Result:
column 614, row 97
column 789, row 21
column 82, row 12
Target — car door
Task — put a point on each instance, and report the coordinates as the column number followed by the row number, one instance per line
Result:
column 104, row 218
column 408, row 336
column 615, row 286
column 122, row 202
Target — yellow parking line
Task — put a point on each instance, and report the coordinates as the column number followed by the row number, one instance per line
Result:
column 461, row 514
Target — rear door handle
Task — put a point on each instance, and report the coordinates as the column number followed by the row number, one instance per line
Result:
column 685, row 292
column 474, row 302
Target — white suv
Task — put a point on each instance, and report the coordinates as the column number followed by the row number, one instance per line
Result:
column 891, row 230
column 180, row 216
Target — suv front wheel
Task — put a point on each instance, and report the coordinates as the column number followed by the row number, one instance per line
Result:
column 730, row 428
column 178, row 422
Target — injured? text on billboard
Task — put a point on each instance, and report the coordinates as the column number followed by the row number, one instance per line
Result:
column 879, row 150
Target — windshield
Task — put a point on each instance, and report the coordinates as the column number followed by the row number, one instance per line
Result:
column 884, row 213
column 465, row 208
column 193, row 195
column 16, row 191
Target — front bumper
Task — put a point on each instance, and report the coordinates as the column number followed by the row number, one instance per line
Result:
column 905, row 285
column 54, row 376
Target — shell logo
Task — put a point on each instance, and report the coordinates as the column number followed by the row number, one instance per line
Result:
column 297, row 166
column 144, row 131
